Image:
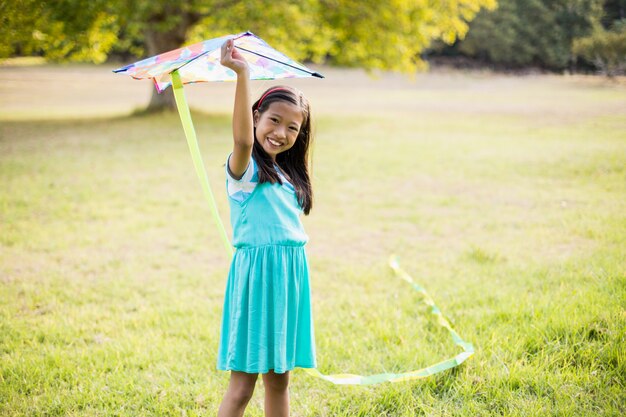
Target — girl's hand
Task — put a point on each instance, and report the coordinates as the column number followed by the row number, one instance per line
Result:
column 231, row 58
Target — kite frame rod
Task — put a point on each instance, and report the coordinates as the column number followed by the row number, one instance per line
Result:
column 313, row 74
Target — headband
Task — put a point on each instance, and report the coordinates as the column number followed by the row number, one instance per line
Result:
column 267, row 93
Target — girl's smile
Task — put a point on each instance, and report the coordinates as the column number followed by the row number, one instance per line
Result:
column 277, row 128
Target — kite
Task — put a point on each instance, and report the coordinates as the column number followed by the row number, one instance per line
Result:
column 201, row 63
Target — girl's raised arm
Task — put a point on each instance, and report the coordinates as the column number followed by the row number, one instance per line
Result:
column 243, row 133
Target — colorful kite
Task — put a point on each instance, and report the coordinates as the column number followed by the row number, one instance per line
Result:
column 201, row 63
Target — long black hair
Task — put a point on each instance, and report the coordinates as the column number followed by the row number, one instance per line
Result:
column 294, row 161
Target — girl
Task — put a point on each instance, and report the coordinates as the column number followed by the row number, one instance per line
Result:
column 267, row 322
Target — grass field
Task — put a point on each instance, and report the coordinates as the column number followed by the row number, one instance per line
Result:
column 504, row 196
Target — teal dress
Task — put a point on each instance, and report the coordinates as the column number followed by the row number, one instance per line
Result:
column 267, row 320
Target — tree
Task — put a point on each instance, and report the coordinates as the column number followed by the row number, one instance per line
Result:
column 372, row 34
column 75, row 30
column 387, row 35
column 606, row 49
column 156, row 26
column 522, row 33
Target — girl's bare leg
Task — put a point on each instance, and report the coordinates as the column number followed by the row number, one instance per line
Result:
column 240, row 390
column 276, row 394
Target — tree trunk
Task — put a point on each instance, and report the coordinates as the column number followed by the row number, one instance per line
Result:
column 158, row 42
column 162, row 101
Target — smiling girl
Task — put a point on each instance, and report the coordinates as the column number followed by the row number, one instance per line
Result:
column 267, row 321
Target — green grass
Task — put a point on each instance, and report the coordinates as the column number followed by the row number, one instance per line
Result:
column 507, row 202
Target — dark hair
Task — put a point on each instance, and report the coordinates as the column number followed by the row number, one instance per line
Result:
column 293, row 161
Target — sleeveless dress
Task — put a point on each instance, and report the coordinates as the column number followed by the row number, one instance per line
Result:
column 267, row 319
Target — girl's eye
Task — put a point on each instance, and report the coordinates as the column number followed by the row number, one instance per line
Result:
column 273, row 119
column 293, row 129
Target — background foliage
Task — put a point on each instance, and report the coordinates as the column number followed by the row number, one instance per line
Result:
column 542, row 33
column 392, row 35
column 606, row 49
column 370, row 34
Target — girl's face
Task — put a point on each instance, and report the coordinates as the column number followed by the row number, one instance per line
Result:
column 278, row 126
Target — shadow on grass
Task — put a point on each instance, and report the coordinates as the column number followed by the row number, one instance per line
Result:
column 138, row 114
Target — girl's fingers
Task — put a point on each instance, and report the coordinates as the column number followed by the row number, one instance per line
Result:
column 227, row 47
column 231, row 58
